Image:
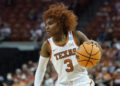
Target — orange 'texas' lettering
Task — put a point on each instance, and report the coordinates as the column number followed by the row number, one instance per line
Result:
column 65, row 53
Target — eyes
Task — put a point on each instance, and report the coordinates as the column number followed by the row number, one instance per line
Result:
column 50, row 23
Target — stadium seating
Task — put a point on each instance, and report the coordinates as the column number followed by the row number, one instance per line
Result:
column 17, row 16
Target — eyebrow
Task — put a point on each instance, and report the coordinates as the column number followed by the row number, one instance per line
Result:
column 50, row 21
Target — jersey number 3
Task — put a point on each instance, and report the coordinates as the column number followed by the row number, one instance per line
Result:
column 69, row 65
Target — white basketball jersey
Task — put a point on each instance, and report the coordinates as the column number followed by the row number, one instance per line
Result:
column 65, row 62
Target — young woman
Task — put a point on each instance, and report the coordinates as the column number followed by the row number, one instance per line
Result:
column 60, row 48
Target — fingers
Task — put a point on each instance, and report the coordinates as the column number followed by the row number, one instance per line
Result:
column 92, row 41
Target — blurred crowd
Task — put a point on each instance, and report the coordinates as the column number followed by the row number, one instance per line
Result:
column 24, row 22
column 36, row 34
column 24, row 76
column 105, row 24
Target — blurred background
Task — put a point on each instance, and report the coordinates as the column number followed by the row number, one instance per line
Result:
column 22, row 32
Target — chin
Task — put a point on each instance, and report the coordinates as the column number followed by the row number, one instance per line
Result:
column 49, row 35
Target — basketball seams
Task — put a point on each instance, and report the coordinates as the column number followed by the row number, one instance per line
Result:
column 87, row 61
column 82, row 54
column 95, row 53
column 85, row 49
column 86, row 56
column 88, row 52
column 89, row 56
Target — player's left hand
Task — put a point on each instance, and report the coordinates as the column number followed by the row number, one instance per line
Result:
column 93, row 42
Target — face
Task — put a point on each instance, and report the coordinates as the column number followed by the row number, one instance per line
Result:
column 52, row 27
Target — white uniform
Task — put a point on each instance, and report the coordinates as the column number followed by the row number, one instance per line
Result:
column 70, row 73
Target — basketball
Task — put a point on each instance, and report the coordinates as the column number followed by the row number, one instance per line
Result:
column 88, row 55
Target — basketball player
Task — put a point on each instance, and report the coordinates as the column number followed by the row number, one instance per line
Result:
column 60, row 48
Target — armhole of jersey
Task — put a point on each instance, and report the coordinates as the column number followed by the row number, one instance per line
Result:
column 49, row 48
column 75, row 38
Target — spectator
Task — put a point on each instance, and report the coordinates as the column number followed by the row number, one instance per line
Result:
column 1, row 80
column 99, row 80
column 49, row 81
column 102, row 36
column 117, row 7
column 4, row 84
column 5, row 32
column 9, row 79
column 116, row 44
column 116, row 80
column 25, row 69
column 44, row 35
column 106, row 76
column 31, row 66
column 36, row 34
column 111, row 67
column 32, row 16
column 42, row 26
column 18, row 82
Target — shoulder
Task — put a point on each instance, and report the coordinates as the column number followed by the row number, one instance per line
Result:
column 45, row 44
column 79, row 33
column 80, row 37
column 45, row 49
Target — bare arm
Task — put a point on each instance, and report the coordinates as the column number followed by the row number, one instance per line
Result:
column 43, row 60
column 45, row 51
column 81, row 37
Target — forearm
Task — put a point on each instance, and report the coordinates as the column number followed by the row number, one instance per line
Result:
column 40, row 71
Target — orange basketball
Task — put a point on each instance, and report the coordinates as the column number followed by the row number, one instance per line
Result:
column 88, row 55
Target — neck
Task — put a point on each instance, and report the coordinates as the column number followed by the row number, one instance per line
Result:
column 60, row 37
